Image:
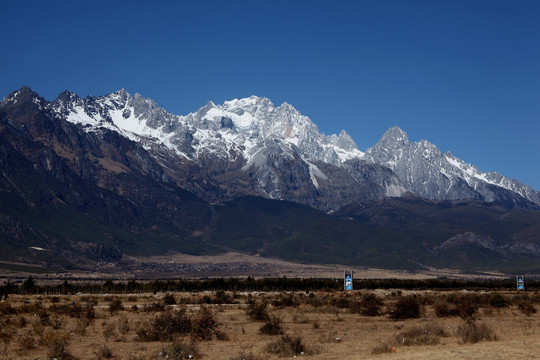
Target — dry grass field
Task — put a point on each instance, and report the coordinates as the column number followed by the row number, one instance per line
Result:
column 380, row 324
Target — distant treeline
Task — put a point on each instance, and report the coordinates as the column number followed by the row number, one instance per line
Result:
column 30, row 286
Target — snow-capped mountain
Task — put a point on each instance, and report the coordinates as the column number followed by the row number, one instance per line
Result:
column 252, row 147
column 91, row 179
column 244, row 147
column 424, row 169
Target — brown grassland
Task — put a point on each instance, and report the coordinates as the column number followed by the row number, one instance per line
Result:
column 379, row 324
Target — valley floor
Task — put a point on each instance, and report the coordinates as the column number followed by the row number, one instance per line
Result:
column 175, row 265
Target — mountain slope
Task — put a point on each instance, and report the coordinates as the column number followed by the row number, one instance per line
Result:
column 94, row 194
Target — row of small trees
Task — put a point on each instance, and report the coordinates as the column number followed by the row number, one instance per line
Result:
column 30, row 286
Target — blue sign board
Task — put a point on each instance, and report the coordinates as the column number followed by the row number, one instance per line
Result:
column 520, row 282
column 348, row 280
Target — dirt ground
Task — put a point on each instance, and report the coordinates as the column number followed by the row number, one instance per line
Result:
column 324, row 322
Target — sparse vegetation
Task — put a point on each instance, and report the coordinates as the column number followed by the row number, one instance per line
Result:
column 203, row 324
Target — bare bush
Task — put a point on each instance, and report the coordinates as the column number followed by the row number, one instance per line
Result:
column 288, row 345
column 272, row 326
column 169, row 299
column 115, row 305
column 164, row 326
column 104, row 352
column 407, row 307
column 179, row 350
column 123, row 325
column 26, row 342
column 471, row 332
column 427, row 334
column 258, row 310
column 383, row 348
column 56, row 343
column 203, row 324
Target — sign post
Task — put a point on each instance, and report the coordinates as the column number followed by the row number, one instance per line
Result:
column 520, row 282
column 348, row 280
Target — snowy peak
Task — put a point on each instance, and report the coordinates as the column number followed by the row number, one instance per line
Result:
column 394, row 136
column 432, row 174
column 24, row 95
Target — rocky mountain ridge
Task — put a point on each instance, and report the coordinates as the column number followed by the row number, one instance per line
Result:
column 278, row 153
column 87, row 180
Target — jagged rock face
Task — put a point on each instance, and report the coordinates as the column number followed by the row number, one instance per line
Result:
column 424, row 169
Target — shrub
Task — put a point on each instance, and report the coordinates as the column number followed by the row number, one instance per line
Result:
column 179, row 350
column 272, row 326
column 382, row 349
column 26, row 342
column 285, row 300
column 164, row 326
column 56, row 343
column 223, row 298
column 286, row 345
column 123, row 325
column 406, row 308
column 6, row 335
column 115, row 305
column 109, row 331
column 103, row 353
column 442, row 309
column 421, row 335
column 6, row 309
column 471, row 332
column 169, row 299
column 257, row 310
column 369, row 306
column 203, row 324
column 527, row 307
column 498, row 301
column 80, row 326
column 221, row 335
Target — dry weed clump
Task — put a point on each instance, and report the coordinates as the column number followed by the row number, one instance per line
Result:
column 203, row 324
column 258, row 310
column 109, row 330
column 383, row 348
column 179, row 350
column 471, row 332
column 525, row 304
column 428, row 334
column 123, row 325
column 272, row 326
column 7, row 309
column 286, row 345
column 56, row 343
column 104, row 352
column 407, row 307
column 166, row 326
column 26, row 342
column 370, row 305
column 115, row 305
column 6, row 334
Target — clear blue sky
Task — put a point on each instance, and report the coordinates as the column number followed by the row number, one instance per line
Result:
column 463, row 74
